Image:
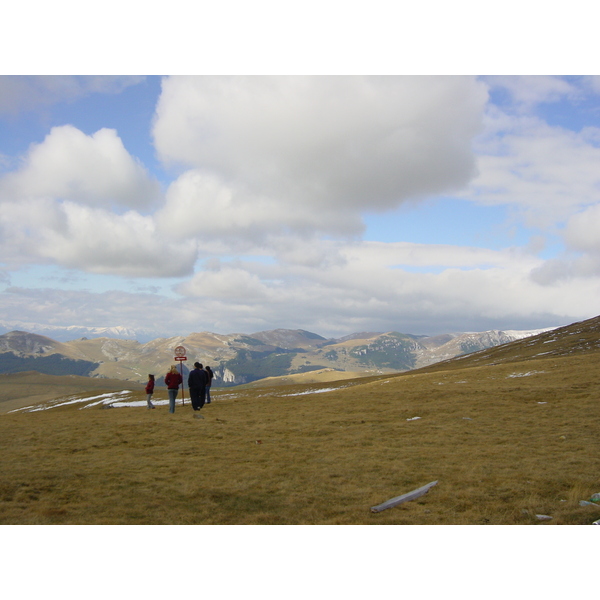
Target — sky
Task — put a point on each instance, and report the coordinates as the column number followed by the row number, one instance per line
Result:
column 338, row 174
column 331, row 203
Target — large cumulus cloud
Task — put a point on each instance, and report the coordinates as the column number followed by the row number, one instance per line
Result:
column 91, row 169
column 317, row 151
column 77, row 201
column 91, row 239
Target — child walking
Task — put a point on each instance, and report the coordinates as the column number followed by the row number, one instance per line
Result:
column 150, row 391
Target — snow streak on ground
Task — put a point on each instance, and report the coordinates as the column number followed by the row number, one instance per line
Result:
column 320, row 391
column 524, row 374
column 124, row 399
column 112, row 398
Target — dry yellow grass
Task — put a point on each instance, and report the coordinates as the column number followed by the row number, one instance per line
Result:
column 29, row 387
column 506, row 442
column 318, row 376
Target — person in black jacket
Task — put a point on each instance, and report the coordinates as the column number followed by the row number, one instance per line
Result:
column 210, row 378
column 197, row 380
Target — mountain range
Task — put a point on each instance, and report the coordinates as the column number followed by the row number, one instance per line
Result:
column 241, row 358
column 70, row 332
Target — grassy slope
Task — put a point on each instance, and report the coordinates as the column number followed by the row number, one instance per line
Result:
column 24, row 389
column 320, row 376
column 265, row 456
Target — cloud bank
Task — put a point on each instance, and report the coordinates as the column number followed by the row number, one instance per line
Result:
column 263, row 219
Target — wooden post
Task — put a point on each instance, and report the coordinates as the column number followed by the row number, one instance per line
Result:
column 404, row 498
column 182, row 383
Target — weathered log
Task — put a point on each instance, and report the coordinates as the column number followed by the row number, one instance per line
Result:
column 404, row 498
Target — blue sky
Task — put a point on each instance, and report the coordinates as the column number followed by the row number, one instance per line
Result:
column 329, row 203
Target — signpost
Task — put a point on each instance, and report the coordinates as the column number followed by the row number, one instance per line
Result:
column 180, row 356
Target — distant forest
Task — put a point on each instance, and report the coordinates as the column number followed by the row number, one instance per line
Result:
column 49, row 365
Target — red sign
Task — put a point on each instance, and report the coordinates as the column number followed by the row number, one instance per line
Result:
column 179, row 351
column 181, row 358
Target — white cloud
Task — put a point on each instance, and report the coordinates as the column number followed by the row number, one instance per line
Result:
column 343, row 143
column 593, row 82
column 544, row 172
column 22, row 93
column 91, row 239
column 527, row 91
column 364, row 290
column 583, row 231
column 67, row 205
column 581, row 258
column 101, row 242
column 94, row 170
column 229, row 284
column 202, row 206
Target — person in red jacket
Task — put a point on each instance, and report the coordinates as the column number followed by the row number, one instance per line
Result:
column 150, row 391
column 173, row 380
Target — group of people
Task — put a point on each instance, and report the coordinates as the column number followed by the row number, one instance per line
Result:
column 199, row 382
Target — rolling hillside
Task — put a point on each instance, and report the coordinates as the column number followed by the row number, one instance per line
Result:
column 510, row 435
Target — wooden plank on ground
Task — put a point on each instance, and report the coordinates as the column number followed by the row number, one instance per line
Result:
column 404, row 498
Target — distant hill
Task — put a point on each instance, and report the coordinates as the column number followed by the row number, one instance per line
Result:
column 30, row 352
column 241, row 358
column 576, row 339
column 288, row 339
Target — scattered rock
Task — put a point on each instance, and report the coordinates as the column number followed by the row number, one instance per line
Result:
column 543, row 517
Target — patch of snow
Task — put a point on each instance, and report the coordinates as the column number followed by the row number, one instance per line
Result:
column 108, row 398
column 519, row 335
column 413, row 419
column 512, row 375
column 308, row 392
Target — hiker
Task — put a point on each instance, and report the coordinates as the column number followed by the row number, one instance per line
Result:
column 173, row 379
column 150, row 391
column 197, row 380
column 210, row 378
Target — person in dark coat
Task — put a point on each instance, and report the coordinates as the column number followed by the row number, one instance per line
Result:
column 197, row 380
column 210, row 378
